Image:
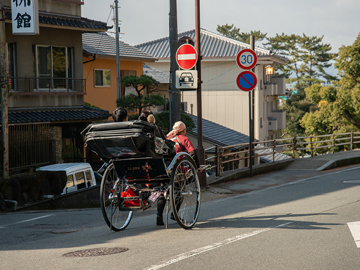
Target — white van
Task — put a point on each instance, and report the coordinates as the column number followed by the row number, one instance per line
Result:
column 79, row 175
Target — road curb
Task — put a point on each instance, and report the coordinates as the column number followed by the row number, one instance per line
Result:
column 232, row 175
column 339, row 163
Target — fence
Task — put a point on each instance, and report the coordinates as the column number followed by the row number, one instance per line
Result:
column 29, row 146
column 293, row 147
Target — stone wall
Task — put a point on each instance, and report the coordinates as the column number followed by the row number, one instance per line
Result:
column 56, row 137
column 30, row 188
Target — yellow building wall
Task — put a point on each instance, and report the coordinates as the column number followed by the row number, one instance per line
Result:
column 105, row 97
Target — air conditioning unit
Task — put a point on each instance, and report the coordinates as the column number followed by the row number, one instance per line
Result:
column 183, row 106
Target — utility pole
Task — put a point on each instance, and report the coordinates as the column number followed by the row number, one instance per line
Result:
column 174, row 94
column 4, row 95
column 117, row 49
column 199, row 149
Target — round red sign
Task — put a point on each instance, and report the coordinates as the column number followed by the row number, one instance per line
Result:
column 186, row 56
column 246, row 59
column 246, row 81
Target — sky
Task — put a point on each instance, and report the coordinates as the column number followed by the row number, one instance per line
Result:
column 145, row 20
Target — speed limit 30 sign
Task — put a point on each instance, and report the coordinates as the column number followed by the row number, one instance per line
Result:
column 246, row 59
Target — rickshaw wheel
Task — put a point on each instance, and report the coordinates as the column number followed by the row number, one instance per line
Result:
column 185, row 193
column 110, row 191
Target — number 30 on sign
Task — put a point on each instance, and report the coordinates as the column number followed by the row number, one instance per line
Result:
column 246, row 59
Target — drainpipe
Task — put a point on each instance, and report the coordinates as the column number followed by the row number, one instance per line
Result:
column 94, row 58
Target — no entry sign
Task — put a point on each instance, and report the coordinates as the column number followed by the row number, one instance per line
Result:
column 246, row 59
column 186, row 56
column 246, row 81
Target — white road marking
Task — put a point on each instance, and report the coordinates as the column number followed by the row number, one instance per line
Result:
column 189, row 56
column 198, row 251
column 24, row 221
column 351, row 182
column 355, row 231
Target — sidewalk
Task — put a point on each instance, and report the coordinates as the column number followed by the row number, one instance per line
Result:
column 272, row 174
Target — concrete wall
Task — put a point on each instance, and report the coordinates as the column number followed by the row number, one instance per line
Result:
column 25, row 64
column 105, row 97
column 224, row 103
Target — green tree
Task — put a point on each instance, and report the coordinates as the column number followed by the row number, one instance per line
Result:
column 308, row 59
column 338, row 106
column 231, row 31
column 140, row 101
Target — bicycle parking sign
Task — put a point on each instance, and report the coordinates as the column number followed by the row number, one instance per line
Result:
column 246, row 59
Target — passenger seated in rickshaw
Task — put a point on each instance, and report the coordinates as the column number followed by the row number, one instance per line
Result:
column 182, row 144
column 120, row 115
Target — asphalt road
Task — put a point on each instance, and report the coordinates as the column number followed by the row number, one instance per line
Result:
column 310, row 223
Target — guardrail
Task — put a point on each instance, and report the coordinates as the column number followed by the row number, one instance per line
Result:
column 294, row 147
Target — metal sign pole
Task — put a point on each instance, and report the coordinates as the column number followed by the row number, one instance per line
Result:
column 250, row 130
column 252, row 45
column 117, row 50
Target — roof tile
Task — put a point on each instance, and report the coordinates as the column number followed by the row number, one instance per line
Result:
column 66, row 21
column 85, row 113
column 212, row 45
column 104, row 44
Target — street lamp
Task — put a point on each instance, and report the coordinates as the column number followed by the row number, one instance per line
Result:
column 269, row 70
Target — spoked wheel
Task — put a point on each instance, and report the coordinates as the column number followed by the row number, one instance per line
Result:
column 110, row 191
column 185, row 193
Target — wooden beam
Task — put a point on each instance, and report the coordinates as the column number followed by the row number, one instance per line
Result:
column 71, row 1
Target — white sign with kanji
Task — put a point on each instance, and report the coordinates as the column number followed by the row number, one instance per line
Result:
column 25, row 17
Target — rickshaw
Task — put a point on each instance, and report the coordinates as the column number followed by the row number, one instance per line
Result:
column 141, row 166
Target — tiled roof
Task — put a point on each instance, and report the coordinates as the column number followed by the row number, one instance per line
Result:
column 53, row 115
column 159, row 75
column 60, row 20
column 224, row 136
column 212, row 46
column 219, row 134
column 103, row 44
column 269, row 158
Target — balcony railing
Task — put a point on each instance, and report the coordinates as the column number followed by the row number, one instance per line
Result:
column 281, row 86
column 280, row 117
column 41, row 85
column 276, row 87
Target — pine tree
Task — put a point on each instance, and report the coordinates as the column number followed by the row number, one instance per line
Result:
column 231, row 31
column 140, row 101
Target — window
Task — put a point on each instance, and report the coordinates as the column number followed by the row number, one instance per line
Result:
column 102, row 77
column 88, row 178
column 124, row 73
column 53, row 65
column 69, row 181
column 80, row 180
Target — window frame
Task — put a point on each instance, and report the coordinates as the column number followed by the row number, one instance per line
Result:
column 69, row 67
column 102, row 70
